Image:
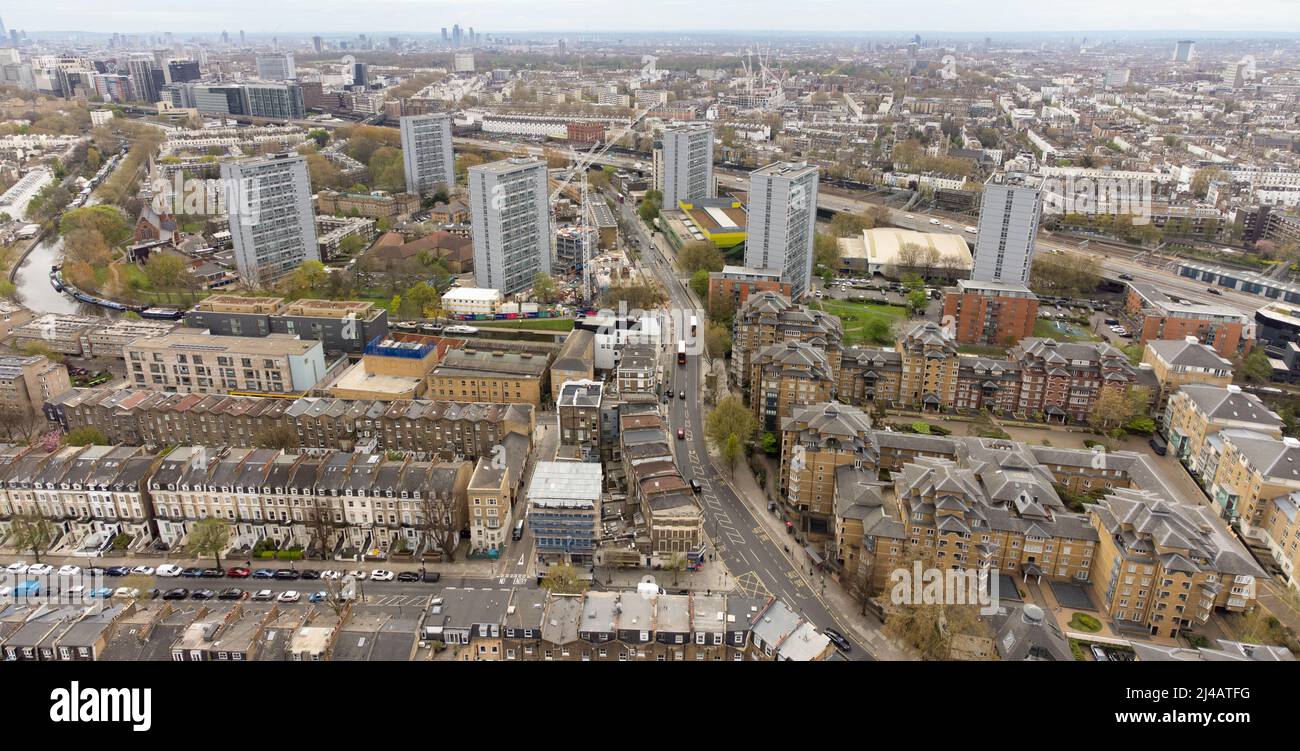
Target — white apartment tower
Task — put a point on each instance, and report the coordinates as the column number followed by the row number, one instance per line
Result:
column 268, row 203
column 276, row 66
column 1008, row 227
column 687, row 164
column 510, row 207
column 1184, row 50
column 782, row 222
column 427, row 153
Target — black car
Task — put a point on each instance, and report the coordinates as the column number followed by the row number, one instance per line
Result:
column 696, row 486
column 408, row 576
column 234, row 593
column 1126, row 277
column 838, row 639
column 213, row 573
column 310, row 574
column 430, row 577
column 117, row 571
column 203, row 594
column 286, row 574
column 180, row 593
column 192, row 573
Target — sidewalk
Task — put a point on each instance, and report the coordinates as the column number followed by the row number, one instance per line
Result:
column 475, row 569
column 864, row 627
column 712, row 578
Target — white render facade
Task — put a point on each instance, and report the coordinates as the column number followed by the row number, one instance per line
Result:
column 510, row 210
column 782, row 222
column 427, row 153
column 272, row 223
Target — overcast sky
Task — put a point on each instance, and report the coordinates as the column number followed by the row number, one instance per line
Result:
column 575, row 16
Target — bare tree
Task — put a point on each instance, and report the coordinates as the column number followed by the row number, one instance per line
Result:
column 321, row 522
column 32, row 531
column 437, row 522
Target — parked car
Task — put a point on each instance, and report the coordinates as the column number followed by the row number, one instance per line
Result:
column 213, row 573
column 1126, row 277
column 169, row 571
column 17, row 567
column 358, row 574
column 101, row 593
column 669, row 393
column 408, row 576
column 1213, row 291
column 238, row 572
column 69, row 570
column 316, row 597
column 310, row 574
column 40, row 569
column 126, row 593
column 117, row 571
column 287, row 574
column 203, row 594
column 696, row 486
column 380, row 575
column 264, row 573
column 232, row 593
column 1158, row 445
column 263, row 595
column 430, row 577
column 179, row 593
column 329, row 574
column 288, row 596
column 838, row 639
column 192, row 573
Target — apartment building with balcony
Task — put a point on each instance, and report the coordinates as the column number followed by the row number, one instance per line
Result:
column 1179, row 362
column 768, row 318
column 191, row 361
column 1197, row 412
column 787, row 376
column 816, row 441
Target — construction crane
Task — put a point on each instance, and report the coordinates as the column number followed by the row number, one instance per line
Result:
column 580, row 163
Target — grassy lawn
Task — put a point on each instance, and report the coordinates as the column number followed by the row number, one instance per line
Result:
column 982, row 350
column 857, row 315
column 541, row 324
column 1047, row 329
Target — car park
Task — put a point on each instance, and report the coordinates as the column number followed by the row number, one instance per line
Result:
column 238, row 572
column 263, row 595
column 169, row 571
column 179, row 593
column 288, row 596
column 381, row 575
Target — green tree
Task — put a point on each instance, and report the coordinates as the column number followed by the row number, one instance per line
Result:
column 826, row 252
column 700, row 284
column 563, row 579
column 917, row 301
column 210, row 537
column 878, row 330
column 33, row 532
column 107, row 220
column 310, row 275
column 86, row 436
column 700, row 255
column 770, row 444
column 728, row 427
column 718, row 340
column 387, row 170
column 1115, row 408
column 168, row 271
column 544, row 288
column 1256, row 367
column 319, row 135
column 279, row 437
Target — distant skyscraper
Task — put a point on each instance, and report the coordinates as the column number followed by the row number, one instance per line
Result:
column 427, row 153
column 561, row 47
column 241, row 37
column 445, row 38
column 144, row 83
column 1008, row 227
column 455, row 35
column 276, row 66
column 688, row 164
column 360, row 74
column 316, row 44
column 225, row 37
column 394, row 43
column 1184, row 50
column 782, row 222
column 511, row 214
column 271, row 219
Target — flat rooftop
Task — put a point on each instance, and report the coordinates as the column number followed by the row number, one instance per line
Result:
column 190, row 340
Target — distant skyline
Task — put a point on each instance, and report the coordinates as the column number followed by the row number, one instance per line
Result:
column 577, row 17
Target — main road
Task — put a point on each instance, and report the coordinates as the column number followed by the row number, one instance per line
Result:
column 757, row 561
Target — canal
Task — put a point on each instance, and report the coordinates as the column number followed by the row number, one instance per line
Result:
column 33, row 281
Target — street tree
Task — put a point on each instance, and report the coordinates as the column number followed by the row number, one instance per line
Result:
column 563, row 579
column 729, row 427
column 210, row 537
column 30, row 531
column 677, row 564
column 700, row 255
column 436, row 520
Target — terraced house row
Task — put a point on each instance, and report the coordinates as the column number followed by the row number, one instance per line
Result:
column 424, row 429
column 873, row 499
column 791, row 356
column 328, row 502
column 532, row 625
